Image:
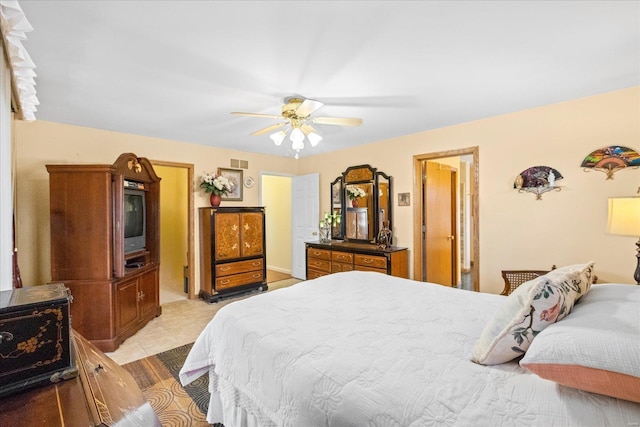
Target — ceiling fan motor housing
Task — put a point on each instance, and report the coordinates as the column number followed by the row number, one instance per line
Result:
column 289, row 109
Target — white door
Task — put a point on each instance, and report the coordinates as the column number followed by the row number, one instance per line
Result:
column 305, row 204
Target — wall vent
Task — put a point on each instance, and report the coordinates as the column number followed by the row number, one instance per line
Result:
column 242, row 164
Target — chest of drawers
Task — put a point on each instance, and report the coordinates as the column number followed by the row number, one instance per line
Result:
column 335, row 257
column 232, row 251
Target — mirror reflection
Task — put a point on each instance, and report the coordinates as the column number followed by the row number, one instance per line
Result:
column 360, row 211
column 336, row 208
column 362, row 198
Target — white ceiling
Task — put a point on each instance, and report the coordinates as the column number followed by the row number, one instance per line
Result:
column 176, row 69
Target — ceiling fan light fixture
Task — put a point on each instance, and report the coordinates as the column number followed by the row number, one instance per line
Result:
column 297, row 136
column 297, row 145
column 297, row 118
column 278, row 137
column 314, row 138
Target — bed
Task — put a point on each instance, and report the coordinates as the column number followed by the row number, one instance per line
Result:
column 366, row 349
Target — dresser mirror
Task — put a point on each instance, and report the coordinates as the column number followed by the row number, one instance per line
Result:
column 361, row 202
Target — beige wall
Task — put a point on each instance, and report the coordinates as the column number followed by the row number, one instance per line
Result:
column 516, row 231
column 276, row 198
column 39, row 143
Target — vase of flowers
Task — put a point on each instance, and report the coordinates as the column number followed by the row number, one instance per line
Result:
column 217, row 185
column 354, row 193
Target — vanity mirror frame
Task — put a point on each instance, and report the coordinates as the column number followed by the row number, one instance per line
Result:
column 365, row 175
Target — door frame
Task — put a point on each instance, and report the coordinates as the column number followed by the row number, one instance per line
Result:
column 418, row 209
column 190, row 221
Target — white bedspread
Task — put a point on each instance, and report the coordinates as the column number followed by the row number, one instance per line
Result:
column 365, row 349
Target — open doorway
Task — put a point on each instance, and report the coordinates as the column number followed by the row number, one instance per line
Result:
column 275, row 196
column 176, row 231
column 446, row 226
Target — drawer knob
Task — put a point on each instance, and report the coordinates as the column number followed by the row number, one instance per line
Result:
column 255, row 276
column 257, row 264
column 225, row 282
column 225, row 268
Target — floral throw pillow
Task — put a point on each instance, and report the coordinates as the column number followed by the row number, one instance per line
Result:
column 528, row 310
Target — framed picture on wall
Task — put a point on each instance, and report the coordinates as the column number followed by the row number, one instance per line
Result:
column 235, row 177
column 404, row 199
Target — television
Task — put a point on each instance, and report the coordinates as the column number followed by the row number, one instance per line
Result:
column 135, row 219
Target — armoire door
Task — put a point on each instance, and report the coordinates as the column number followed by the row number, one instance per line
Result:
column 251, row 234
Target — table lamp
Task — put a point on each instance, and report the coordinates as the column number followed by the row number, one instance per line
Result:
column 624, row 219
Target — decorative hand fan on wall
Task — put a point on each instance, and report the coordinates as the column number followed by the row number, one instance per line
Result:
column 296, row 116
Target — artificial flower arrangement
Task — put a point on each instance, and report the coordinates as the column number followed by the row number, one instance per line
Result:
column 355, row 192
column 330, row 220
column 216, row 184
column 326, row 223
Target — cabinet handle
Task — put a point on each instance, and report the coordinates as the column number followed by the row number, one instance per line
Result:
column 225, row 268
column 367, row 260
column 225, row 282
column 142, row 295
column 5, row 336
column 255, row 276
column 257, row 264
column 316, row 253
column 341, row 257
column 138, row 296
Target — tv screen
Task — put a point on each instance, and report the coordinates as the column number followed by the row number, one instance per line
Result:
column 134, row 220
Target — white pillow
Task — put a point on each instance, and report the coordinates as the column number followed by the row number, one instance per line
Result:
column 528, row 310
column 597, row 348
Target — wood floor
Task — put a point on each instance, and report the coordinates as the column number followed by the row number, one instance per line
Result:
column 274, row 276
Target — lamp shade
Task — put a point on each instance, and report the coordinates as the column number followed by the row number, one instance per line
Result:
column 278, row 137
column 624, row 216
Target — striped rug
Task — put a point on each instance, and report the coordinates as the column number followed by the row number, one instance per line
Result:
column 176, row 406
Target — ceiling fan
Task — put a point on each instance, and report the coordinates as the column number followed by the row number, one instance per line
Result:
column 296, row 117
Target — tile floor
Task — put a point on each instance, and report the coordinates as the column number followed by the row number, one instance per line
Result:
column 180, row 323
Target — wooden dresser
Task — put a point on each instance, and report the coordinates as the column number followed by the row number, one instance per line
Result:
column 334, row 257
column 232, row 251
column 103, row 394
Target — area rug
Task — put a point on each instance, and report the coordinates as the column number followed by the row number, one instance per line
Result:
column 176, row 406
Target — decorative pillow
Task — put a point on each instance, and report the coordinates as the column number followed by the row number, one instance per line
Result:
column 528, row 310
column 595, row 349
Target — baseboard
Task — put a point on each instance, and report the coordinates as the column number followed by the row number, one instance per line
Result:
column 278, row 269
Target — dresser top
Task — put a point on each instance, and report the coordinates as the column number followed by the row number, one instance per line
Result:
column 368, row 247
column 17, row 299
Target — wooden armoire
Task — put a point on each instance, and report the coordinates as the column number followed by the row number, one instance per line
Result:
column 232, row 251
column 115, row 292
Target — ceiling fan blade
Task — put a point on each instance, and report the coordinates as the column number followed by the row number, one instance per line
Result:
column 268, row 116
column 341, row 121
column 268, row 129
column 307, row 107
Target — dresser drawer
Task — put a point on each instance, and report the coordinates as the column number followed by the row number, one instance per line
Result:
column 319, row 264
column 337, row 267
column 319, row 253
column 365, row 268
column 371, row 261
column 344, row 257
column 239, row 280
column 314, row 274
column 239, row 267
